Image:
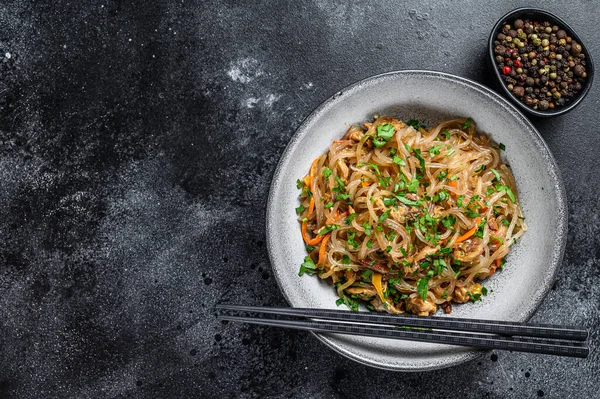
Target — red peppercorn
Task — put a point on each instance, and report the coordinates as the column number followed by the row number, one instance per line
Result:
column 510, row 51
column 506, row 70
column 517, row 63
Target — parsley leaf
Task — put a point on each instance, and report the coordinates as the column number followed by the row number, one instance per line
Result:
column 502, row 147
column 389, row 201
column 459, row 201
column 442, row 175
column 341, row 197
column 417, row 153
column 299, row 184
column 366, row 275
column 350, row 218
column 384, row 134
column 412, row 187
column 471, row 213
column 349, row 302
column 414, row 123
column 423, row 287
column 345, row 259
column 505, row 222
column 508, row 191
column 435, row 150
column 467, row 123
column 398, row 161
column 308, row 266
column 369, row 244
column 341, row 185
column 406, row 201
column 351, row 240
column 385, row 131
column 300, row 209
column 328, row 229
column 384, row 216
column 375, row 167
column 496, row 174
column 327, row 172
column 449, row 221
column 446, row 133
column 367, row 228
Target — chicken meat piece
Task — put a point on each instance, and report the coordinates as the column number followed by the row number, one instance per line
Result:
column 469, row 250
column 366, row 293
column 388, row 306
column 354, row 133
column 416, row 305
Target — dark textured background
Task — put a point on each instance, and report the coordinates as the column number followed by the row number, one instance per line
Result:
column 137, row 143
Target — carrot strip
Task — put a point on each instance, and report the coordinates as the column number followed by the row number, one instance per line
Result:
column 313, row 169
column 376, row 281
column 470, row 232
column 307, row 239
column 337, row 216
column 453, row 184
column 495, row 267
column 322, row 249
column 311, row 208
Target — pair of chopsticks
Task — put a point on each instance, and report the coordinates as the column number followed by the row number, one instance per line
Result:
column 488, row 334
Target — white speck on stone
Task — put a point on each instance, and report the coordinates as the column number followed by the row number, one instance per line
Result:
column 308, row 85
column 251, row 102
column 129, row 39
column 64, row 46
column 153, row 56
column 271, row 98
column 244, row 70
column 8, row 55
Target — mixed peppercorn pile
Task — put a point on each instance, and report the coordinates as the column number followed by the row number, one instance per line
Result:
column 540, row 63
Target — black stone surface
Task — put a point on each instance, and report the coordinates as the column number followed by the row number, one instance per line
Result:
column 137, row 143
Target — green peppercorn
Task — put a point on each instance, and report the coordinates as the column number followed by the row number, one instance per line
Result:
column 548, row 30
column 510, row 87
column 545, row 43
column 559, row 57
column 556, row 95
column 553, row 75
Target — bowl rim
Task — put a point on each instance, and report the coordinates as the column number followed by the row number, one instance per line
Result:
column 554, row 171
column 588, row 84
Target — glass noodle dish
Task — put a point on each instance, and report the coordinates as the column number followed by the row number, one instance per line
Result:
column 407, row 219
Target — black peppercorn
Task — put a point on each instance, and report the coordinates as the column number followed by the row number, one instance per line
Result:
column 578, row 70
column 540, row 63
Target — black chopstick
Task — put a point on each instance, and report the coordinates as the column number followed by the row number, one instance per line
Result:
column 444, row 323
column 346, row 325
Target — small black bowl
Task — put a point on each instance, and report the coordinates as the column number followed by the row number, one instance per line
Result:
column 541, row 15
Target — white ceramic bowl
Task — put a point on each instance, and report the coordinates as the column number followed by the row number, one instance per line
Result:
column 430, row 97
